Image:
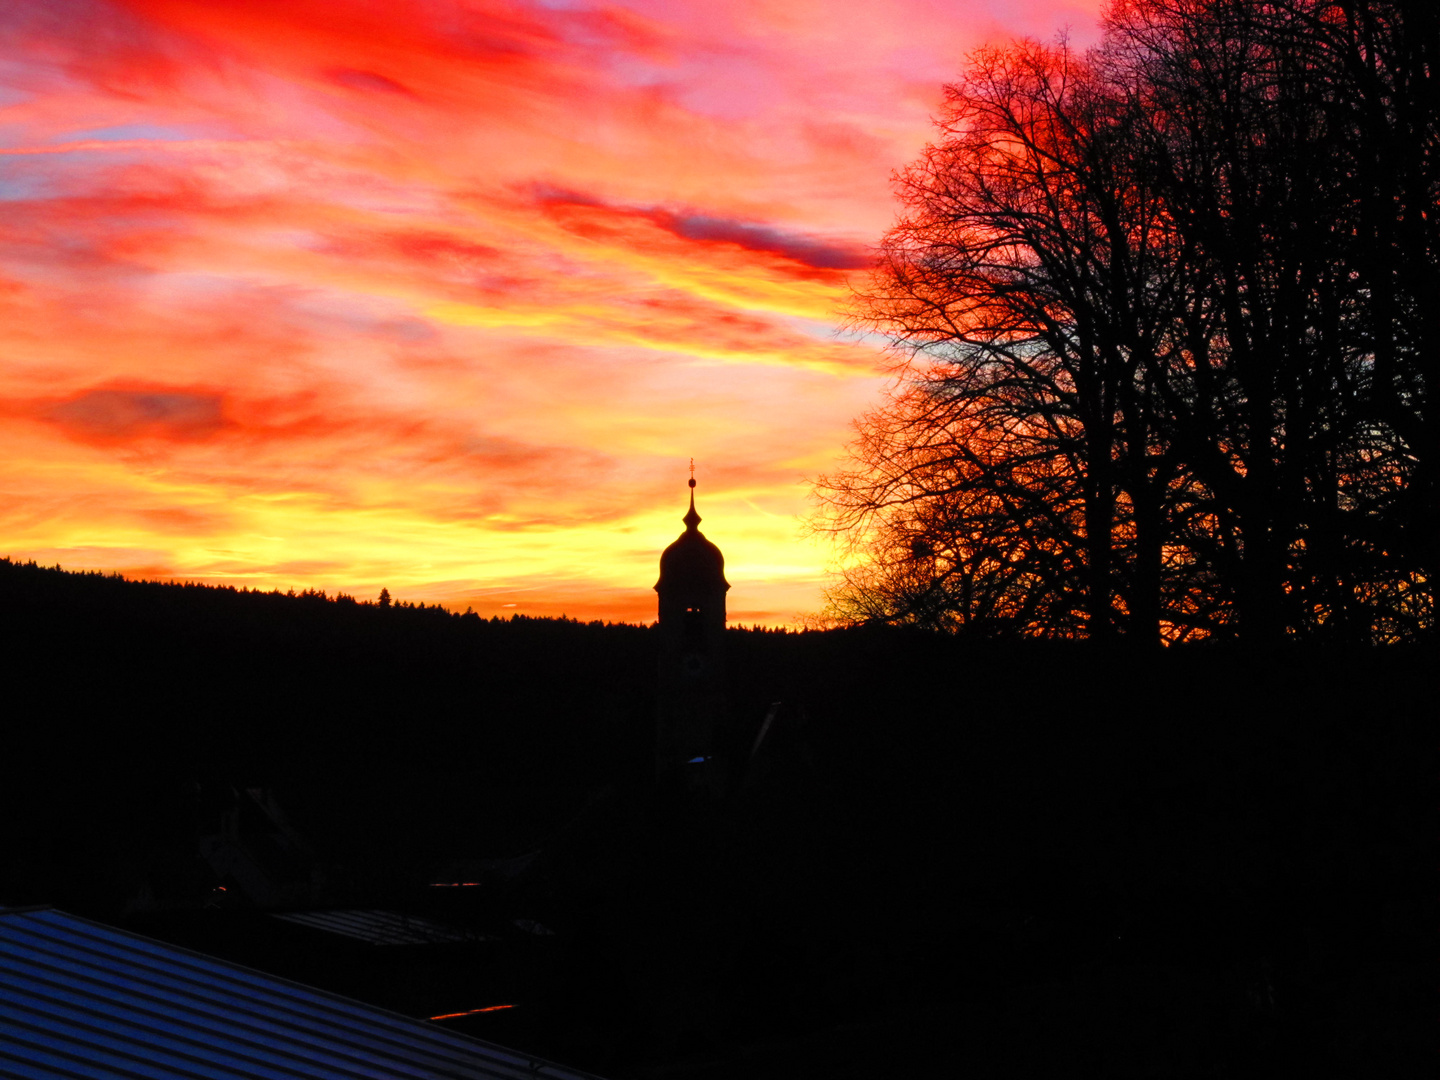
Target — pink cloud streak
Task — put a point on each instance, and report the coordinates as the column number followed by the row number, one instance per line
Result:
column 442, row 295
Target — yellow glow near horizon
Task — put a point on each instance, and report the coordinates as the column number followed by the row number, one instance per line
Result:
column 442, row 297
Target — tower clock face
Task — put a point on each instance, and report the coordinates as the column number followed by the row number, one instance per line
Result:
column 694, row 663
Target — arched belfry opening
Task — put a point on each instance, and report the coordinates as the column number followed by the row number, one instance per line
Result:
column 691, row 695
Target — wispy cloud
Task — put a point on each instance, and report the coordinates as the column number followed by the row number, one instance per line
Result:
column 442, row 295
column 122, row 415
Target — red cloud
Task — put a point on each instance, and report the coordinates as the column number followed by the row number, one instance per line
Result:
column 236, row 228
column 107, row 416
column 754, row 236
column 424, row 49
column 127, row 414
column 587, row 215
column 368, row 81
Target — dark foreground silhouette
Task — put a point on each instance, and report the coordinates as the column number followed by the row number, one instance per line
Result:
column 1021, row 860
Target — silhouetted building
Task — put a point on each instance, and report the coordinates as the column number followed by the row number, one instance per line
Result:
column 691, row 697
column 257, row 858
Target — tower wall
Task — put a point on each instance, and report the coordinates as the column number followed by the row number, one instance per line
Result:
column 691, row 677
column 690, row 697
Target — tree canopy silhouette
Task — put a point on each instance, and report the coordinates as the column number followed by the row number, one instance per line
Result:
column 1163, row 352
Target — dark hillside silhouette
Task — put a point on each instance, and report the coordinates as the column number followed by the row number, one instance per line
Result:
column 127, row 694
column 945, row 850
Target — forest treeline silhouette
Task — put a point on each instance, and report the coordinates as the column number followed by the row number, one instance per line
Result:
column 972, row 841
column 1165, row 323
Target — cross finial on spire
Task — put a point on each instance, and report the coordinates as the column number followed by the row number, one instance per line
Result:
column 692, row 519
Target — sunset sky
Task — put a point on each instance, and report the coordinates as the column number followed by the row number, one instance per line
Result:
column 442, row 295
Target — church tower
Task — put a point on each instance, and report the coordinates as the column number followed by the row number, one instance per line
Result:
column 691, row 696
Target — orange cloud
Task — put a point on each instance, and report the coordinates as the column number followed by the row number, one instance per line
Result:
column 441, row 296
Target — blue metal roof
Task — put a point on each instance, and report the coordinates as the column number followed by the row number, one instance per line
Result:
column 82, row 1000
column 382, row 927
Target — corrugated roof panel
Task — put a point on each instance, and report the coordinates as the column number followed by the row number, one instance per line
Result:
column 381, row 927
column 78, row 999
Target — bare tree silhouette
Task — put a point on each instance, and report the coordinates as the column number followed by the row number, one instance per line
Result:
column 1144, row 384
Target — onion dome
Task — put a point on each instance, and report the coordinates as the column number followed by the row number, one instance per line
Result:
column 692, row 563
